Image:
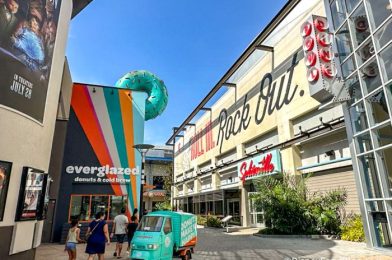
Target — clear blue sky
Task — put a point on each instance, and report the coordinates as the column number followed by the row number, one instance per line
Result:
column 188, row 44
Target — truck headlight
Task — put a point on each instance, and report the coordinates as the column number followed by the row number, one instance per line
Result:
column 152, row 246
column 133, row 246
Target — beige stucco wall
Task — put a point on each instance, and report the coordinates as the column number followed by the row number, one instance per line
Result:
column 27, row 143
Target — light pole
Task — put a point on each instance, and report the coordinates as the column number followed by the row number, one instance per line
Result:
column 143, row 149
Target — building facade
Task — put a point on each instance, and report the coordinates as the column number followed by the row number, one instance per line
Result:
column 158, row 170
column 265, row 123
column 362, row 32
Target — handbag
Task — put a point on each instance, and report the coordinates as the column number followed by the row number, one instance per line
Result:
column 88, row 234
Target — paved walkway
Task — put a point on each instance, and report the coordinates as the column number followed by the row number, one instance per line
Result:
column 214, row 244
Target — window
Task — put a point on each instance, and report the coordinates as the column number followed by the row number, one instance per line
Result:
column 370, row 75
column 378, row 11
column 151, row 224
column 84, row 207
column 354, row 87
column 116, row 204
column 386, row 166
column 383, row 136
column 383, row 35
column 364, row 143
column 365, row 52
column 338, row 12
column 386, row 61
column 168, row 226
column 343, row 42
column 359, row 25
column 379, row 109
column 351, row 4
column 80, row 208
column 348, row 67
column 158, row 182
column 369, row 171
column 358, row 116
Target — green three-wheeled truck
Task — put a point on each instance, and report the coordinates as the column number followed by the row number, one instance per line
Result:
column 164, row 234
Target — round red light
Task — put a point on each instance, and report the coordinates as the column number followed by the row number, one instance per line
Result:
column 311, row 59
column 324, row 39
column 313, row 74
column 326, row 54
column 306, row 29
column 308, row 43
column 328, row 70
column 321, row 24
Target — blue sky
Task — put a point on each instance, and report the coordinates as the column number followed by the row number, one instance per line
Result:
column 187, row 44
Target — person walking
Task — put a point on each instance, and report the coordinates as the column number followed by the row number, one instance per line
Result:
column 72, row 239
column 135, row 214
column 120, row 230
column 132, row 226
column 99, row 233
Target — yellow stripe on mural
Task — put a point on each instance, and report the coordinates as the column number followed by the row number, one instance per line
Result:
column 127, row 118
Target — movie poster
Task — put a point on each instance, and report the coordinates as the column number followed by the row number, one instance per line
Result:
column 32, row 192
column 27, row 38
column 5, row 171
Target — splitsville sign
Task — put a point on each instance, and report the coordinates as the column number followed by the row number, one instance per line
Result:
column 260, row 165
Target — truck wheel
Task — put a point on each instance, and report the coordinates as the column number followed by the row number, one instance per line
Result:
column 188, row 256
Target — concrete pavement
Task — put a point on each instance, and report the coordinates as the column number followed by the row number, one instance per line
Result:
column 214, row 244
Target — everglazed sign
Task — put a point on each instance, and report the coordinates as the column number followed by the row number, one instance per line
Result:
column 260, row 165
column 103, row 174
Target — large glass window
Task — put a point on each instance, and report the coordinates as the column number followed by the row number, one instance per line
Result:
column 383, row 135
column 370, row 76
column 360, row 25
column 348, row 67
column 219, row 207
column 338, row 12
column 116, row 204
column 386, row 62
column 379, row 109
column 369, row 170
column 158, row 182
column 364, row 143
column 354, row 87
column 383, row 35
column 365, row 52
column 358, row 117
column 99, row 204
column 80, row 208
column 378, row 10
column 351, row 4
column 343, row 42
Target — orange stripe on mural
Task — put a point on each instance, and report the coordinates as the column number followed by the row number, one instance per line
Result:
column 84, row 110
column 127, row 117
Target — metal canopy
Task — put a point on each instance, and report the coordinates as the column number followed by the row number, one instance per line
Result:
column 256, row 44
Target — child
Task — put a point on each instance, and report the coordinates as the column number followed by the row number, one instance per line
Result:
column 72, row 239
column 131, row 231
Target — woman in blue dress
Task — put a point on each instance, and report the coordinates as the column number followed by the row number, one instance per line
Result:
column 98, row 237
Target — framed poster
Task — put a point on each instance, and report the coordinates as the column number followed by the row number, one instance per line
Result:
column 44, row 203
column 28, row 31
column 5, row 172
column 30, row 204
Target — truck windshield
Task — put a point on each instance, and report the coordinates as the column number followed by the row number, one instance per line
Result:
column 151, row 224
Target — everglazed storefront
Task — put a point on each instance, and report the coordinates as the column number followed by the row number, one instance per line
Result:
column 266, row 109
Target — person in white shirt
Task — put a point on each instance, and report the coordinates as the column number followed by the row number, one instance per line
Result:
column 119, row 229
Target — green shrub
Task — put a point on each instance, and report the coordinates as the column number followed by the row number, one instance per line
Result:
column 352, row 230
column 213, row 221
column 288, row 208
column 164, row 205
column 201, row 220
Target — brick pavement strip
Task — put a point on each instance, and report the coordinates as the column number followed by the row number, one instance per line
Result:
column 214, row 244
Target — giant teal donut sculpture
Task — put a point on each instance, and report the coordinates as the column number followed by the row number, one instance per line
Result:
column 143, row 80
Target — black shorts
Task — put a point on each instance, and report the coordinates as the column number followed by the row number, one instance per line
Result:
column 120, row 238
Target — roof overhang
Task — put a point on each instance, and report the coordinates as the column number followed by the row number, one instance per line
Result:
column 79, row 5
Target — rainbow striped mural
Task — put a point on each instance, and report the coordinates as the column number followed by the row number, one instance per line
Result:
column 112, row 120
